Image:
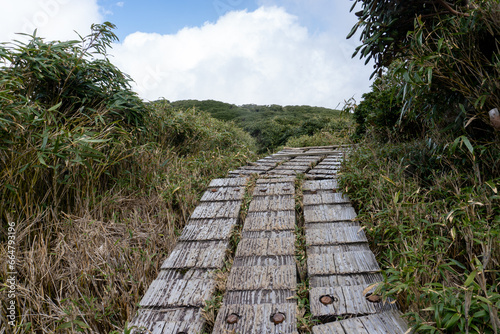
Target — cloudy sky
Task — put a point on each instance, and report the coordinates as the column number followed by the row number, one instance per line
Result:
column 287, row 52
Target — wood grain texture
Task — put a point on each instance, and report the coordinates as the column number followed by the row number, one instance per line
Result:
column 389, row 322
column 342, row 263
column 272, row 203
column 276, row 188
column 334, row 233
column 325, row 197
column 268, row 179
column 348, row 300
column 256, row 319
column 225, row 209
column 172, row 288
column 280, row 245
column 254, row 273
column 260, row 297
column 208, row 229
column 284, row 172
column 229, row 182
column 328, row 213
column 365, row 279
column 312, row 186
column 242, row 172
column 270, row 221
column 217, row 194
column 200, row 254
column 168, row 321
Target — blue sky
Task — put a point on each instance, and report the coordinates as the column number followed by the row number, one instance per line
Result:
column 286, row 52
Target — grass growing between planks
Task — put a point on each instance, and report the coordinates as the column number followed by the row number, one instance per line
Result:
column 305, row 320
column 432, row 212
column 213, row 305
column 98, row 184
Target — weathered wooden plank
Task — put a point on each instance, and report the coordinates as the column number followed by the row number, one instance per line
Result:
column 208, row 229
column 240, row 172
column 208, row 210
column 320, row 176
column 292, row 154
column 313, row 186
column 272, row 203
column 334, row 233
column 328, row 213
column 201, row 254
column 256, row 319
column 300, row 163
column 318, row 171
column 325, row 197
column 223, row 194
column 260, row 297
column 341, row 263
column 328, row 163
column 262, row 277
column 168, row 321
column 388, row 322
column 283, row 172
column 255, row 168
column 229, row 182
column 172, row 288
column 280, row 245
column 270, row 221
column 264, row 180
column 278, row 188
column 346, row 300
column 365, row 279
column 330, row 328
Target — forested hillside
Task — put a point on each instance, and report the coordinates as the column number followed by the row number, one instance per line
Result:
column 426, row 178
column 273, row 125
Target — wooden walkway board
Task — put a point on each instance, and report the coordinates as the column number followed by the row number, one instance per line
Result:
column 256, row 319
column 226, row 209
column 242, row 172
column 314, row 186
column 208, row 229
column 283, row 245
column 252, row 297
column 389, row 322
column 266, row 180
column 223, row 194
column 272, row 221
column 342, row 263
column 168, row 321
column 229, row 182
column 334, row 233
column 173, row 289
column 272, row 203
column 347, row 300
column 206, row 255
column 284, row 172
column 262, row 277
column 326, row 197
column 365, row 279
column 278, row 188
column 328, row 213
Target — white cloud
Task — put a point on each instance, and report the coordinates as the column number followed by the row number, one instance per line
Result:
column 54, row 19
column 260, row 57
column 120, row 4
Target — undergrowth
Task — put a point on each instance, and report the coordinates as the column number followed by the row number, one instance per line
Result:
column 432, row 216
column 97, row 183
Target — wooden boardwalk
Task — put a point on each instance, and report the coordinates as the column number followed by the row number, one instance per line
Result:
column 260, row 292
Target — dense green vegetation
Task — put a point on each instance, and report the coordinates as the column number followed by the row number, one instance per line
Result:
column 272, row 126
column 97, row 183
column 426, row 178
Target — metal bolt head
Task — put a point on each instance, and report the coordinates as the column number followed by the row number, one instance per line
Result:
column 214, row 190
column 263, row 190
column 326, row 300
column 278, row 318
column 232, row 318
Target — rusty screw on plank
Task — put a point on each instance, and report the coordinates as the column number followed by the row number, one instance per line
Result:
column 278, row 318
column 327, row 300
column 263, row 190
column 214, row 190
column 232, row 318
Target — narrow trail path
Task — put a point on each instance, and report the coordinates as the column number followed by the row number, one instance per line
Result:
column 260, row 292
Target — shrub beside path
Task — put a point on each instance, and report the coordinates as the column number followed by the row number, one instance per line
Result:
column 295, row 186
